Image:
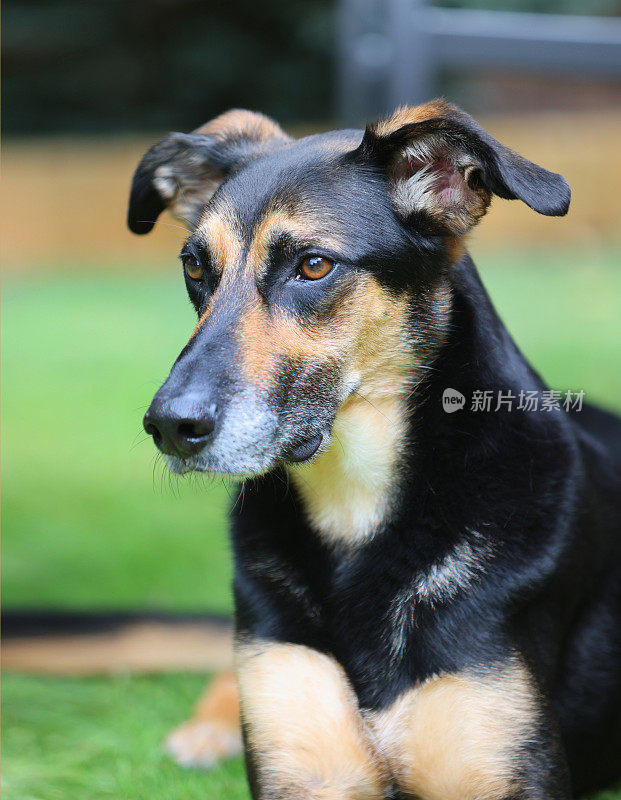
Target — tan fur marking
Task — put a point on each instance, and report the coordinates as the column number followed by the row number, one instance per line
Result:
column 366, row 330
column 239, row 122
column 256, row 347
column 407, row 115
column 264, row 339
column 346, row 490
column 257, row 254
column 456, row 737
column 382, row 351
column 220, row 701
column 456, row 248
column 220, row 232
column 303, row 725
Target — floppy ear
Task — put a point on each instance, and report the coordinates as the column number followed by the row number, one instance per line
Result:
column 182, row 171
column 444, row 167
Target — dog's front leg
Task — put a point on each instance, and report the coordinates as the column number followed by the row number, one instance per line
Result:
column 304, row 736
column 482, row 734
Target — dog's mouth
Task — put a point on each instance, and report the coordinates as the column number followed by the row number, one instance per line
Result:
column 302, row 450
column 305, row 449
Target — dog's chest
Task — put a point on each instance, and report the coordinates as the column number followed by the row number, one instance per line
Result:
column 372, row 622
column 350, row 490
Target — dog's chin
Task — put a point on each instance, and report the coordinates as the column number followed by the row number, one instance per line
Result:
column 300, row 451
column 238, row 472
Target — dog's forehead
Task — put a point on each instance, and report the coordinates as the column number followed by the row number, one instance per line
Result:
column 301, row 178
column 302, row 170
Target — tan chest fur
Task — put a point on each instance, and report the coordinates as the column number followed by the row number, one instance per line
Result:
column 347, row 490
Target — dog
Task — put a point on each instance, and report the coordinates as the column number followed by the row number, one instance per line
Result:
column 427, row 604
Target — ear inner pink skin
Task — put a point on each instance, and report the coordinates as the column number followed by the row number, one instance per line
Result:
column 448, row 182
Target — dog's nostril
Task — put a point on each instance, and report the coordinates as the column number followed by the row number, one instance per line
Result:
column 179, row 434
column 153, row 431
column 187, row 430
column 191, row 430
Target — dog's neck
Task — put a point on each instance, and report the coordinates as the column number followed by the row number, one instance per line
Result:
column 351, row 491
column 348, row 490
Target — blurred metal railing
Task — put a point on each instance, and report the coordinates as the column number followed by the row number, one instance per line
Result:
column 391, row 51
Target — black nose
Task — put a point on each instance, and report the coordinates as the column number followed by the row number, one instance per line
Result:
column 179, row 427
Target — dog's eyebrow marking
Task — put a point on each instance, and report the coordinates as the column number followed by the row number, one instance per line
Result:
column 220, row 233
column 301, row 226
column 456, row 571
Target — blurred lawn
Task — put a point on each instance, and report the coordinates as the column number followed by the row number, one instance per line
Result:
column 91, row 521
column 100, row 739
column 88, row 523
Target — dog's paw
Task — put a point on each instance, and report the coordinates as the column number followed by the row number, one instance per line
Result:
column 202, row 744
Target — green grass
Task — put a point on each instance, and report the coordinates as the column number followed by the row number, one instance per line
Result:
column 88, row 521
column 87, row 524
column 100, row 739
column 563, row 311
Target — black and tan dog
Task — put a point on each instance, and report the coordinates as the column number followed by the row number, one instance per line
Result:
column 428, row 604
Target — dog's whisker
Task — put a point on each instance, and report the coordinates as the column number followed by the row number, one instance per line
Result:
column 166, row 224
column 277, row 475
column 158, row 467
column 137, row 442
column 338, row 439
column 366, row 399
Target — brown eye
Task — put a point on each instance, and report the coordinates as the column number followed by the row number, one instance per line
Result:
column 315, row 267
column 192, row 267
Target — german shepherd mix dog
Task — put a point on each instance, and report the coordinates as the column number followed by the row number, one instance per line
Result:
column 428, row 604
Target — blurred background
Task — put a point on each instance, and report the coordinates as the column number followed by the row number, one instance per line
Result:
column 92, row 317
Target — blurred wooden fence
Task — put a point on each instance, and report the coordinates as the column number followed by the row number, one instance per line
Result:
column 392, row 51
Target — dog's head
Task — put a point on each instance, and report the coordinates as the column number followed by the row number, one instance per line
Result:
column 318, row 269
